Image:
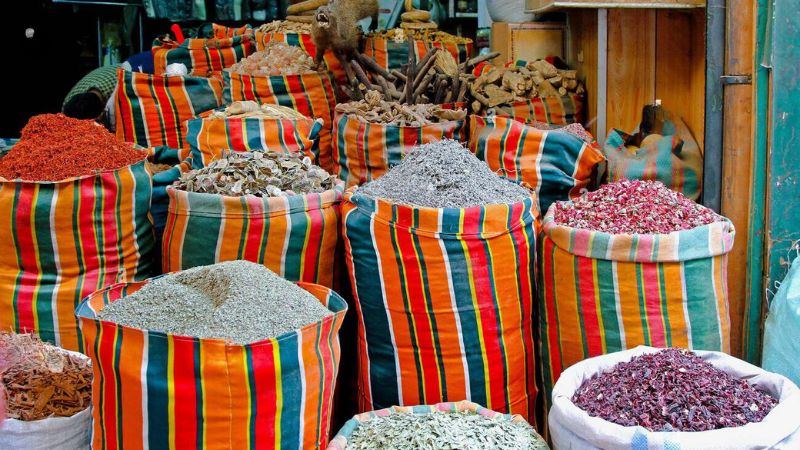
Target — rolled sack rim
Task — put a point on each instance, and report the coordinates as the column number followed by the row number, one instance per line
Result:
column 218, row 205
column 597, row 430
column 383, row 210
column 99, row 173
column 86, row 312
column 705, row 241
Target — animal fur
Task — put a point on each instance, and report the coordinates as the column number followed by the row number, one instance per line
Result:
column 335, row 26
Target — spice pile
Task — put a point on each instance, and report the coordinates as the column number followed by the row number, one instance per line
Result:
column 249, row 108
column 285, row 26
column 435, row 431
column 373, row 109
column 443, row 174
column 54, row 147
column 498, row 86
column 634, row 207
column 277, row 58
column 400, row 35
column 240, row 301
column 263, row 174
column 42, row 380
column 672, row 390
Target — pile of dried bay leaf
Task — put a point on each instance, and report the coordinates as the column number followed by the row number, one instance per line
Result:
column 263, row 174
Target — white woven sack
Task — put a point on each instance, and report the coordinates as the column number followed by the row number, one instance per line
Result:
column 572, row 428
column 62, row 433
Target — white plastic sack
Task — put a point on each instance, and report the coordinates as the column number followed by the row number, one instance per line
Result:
column 572, row 428
column 782, row 328
column 62, row 433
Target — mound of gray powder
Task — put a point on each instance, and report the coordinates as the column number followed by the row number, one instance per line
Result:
column 443, row 174
column 240, row 301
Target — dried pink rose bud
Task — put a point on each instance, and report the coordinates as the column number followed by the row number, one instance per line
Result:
column 634, row 207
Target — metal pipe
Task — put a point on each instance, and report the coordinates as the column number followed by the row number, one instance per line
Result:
column 712, row 139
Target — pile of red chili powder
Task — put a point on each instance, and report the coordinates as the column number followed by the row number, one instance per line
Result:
column 672, row 390
column 634, row 207
column 54, row 147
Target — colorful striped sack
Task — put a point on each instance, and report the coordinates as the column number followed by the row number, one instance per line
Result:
column 391, row 54
column 365, row 151
column 557, row 164
column 311, row 94
column 151, row 109
column 444, row 303
column 222, row 32
column 339, row 442
column 601, row 293
column 304, row 41
column 64, row 240
column 157, row 390
column 208, row 138
column 669, row 155
column 295, row 237
column 202, row 56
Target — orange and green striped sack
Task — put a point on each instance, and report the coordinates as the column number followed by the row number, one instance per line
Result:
column 364, row 151
column 602, row 293
column 312, row 94
column 295, row 236
column 557, row 164
column 304, row 41
column 157, row 390
column 64, row 240
column 151, row 110
column 207, row 138
column 202, row 56
column 444, row 303
column 222, row 32
column 391, row 54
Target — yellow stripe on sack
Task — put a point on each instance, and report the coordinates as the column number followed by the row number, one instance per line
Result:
column 171, row 389
column 479, row 322
column 38, row 285
column 597, row 306
column 276, row 357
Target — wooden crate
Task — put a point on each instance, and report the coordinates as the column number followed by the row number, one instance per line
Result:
column 527, row 41
column 540, row 6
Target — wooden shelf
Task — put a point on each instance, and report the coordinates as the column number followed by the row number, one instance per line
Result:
column 542, row 6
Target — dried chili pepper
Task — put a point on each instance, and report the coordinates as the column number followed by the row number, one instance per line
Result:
column 55, row 147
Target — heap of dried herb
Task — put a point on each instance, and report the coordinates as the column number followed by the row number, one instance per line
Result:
column 277, row 58
column 263, row 174
column 634, row 207
column 439, row 431
column 42, row 380
column 373, row 109
column 672, row 390
column 249, row 108
column 285, row 26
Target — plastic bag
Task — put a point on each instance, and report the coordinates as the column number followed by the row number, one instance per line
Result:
column 573, row 428
column 782, row 328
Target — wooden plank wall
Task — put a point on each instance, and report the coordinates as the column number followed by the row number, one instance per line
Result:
column 652, row 54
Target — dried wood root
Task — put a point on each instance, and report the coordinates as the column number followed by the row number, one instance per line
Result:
column 374, row 109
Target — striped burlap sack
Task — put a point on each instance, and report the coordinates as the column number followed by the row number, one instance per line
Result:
column 391, row 54
column 151, row 110
column 602, row 293
column 157, row 390
column 296, row 236
column 63, row 240
column 312, row 94
column 444, row 303
column 202, row 57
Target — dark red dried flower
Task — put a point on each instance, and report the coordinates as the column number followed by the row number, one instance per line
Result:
column 634, row 207
column 672, row 390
